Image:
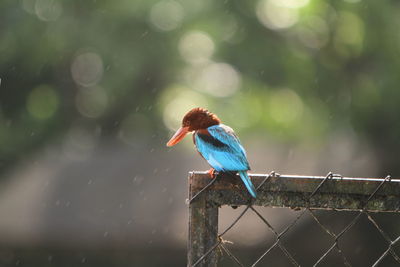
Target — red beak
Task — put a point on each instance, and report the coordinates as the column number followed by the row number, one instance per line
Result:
column 178, row 136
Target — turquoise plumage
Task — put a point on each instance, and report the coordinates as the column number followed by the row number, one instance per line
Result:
column 221, row 148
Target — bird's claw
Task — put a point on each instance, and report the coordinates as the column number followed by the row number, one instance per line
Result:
column 212, row 172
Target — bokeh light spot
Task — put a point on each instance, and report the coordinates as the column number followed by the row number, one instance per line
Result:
column 167, row 15
column 48, row 10
column 349, row 34
column 285, row 106
column 231, row 27
column 91, row 102
column 315, row 33
column 80, row 141
column 177, row 107
column 42, row 102
column 29, row 6
column 278, row 14
column 196, row 47
column 218, row 79
column 87, row 69
column 351, row 28
column 292, row 3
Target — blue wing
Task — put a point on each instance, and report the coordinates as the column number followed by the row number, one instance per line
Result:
column 222, row 149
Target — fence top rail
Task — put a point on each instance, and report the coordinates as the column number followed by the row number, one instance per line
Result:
column 294, row 176
column 337, row 192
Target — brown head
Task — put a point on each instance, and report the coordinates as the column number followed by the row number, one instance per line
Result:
column 195, row 119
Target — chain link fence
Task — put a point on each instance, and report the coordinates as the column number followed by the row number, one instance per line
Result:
column 360, row 197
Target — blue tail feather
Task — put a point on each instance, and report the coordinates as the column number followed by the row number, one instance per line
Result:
column 247, row 182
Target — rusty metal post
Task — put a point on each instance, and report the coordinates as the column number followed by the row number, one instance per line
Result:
column 203, row 226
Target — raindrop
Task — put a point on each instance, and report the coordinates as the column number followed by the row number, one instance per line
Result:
column 144, row 34
column 138, row 179
column 105, row 234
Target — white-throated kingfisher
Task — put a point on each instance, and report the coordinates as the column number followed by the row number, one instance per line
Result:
column 216, row 143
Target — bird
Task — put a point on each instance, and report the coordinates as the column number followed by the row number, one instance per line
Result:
column 217, row 144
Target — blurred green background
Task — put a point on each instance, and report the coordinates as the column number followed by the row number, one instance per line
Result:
column 91, row 90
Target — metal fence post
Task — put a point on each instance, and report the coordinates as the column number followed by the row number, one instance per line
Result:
column 203, row 226
column 362, row 196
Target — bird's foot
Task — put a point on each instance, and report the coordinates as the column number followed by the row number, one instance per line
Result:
column 212, row 172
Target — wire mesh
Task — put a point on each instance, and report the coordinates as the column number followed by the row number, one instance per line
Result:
column 363, row 210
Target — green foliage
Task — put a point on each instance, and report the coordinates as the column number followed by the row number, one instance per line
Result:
column 293, row 69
